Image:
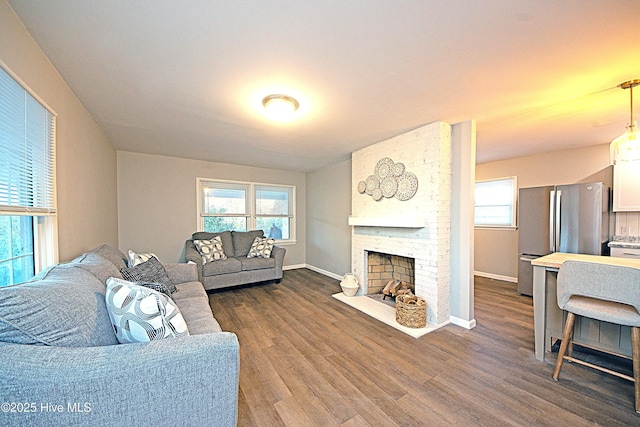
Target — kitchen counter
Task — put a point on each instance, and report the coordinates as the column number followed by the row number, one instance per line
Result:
column 547, row 316
column 625, row 242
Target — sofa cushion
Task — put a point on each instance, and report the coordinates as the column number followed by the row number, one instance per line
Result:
column 114, row 255
column 242, row 241
column 261, row 247
column 193, row 302
column 66, row 309
column 229, row 265
column 97, row 265
column 210, row 250
column 134, row 259
column 150, row 271
column 140, row 314
column 225, row 237
column 257, row 263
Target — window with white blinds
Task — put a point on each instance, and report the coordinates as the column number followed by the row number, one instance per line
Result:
column 27, row 151
column 495, row 203
column 28, row 220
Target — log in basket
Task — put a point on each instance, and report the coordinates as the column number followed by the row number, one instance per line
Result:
column 411, row 311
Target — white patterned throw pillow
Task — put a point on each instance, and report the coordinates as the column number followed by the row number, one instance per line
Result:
column 261, row 247
column 140, row 314
column 135, row 259
column 210, row 250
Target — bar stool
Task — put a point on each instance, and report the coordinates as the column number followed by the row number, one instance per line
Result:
column 603, row 292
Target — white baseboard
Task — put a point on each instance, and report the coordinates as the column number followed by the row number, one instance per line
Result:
column 467, row 324
column 294, row 266
column 324, row 272
column 496, row 276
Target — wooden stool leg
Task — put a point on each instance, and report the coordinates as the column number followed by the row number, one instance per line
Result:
column 635, row 346
column 566, row 337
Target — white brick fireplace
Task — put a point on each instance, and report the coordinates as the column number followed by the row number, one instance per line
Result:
column 416, row 228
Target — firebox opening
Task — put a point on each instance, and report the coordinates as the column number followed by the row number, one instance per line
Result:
column 382, row 269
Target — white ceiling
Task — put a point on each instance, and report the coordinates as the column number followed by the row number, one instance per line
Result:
column 181, row 78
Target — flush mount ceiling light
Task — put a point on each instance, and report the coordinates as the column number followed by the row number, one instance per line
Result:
column 280, row 107
column 627, row 146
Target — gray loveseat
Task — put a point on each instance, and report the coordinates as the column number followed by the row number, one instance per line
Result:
column 62, row 365
column 237, row 269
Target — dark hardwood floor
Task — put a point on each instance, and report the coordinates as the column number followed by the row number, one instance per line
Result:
column 307, row 359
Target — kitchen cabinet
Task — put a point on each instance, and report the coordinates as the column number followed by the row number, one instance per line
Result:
column 626, row 186
column 625, row 252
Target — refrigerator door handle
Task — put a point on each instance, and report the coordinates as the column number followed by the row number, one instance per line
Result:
column 558, row 204
column 552, row 203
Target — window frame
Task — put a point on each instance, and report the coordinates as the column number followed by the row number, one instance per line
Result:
column 44, row 216
column 514, row 195
column 251, row 215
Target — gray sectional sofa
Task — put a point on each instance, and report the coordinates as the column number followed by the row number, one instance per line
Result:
column 236, row 269
column 62, row 364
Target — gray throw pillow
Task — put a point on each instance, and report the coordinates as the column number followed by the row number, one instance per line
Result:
column 158, row 287
column 150, row 271
column 210, row 250
column 261, row 247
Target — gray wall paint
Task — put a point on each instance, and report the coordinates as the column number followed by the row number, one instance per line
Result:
column 496, row 250
column 86, row 161
column 157, row 208
column 328, row 210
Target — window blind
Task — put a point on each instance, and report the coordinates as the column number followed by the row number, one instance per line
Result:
column 27, row 151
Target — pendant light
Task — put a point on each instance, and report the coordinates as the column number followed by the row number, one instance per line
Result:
column 626, row 147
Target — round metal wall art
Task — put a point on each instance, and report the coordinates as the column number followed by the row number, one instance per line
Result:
column 389, row 179
column 389, row 186
column 384, row 168
column 372, row 183
column 407, row 186
column 398, row 169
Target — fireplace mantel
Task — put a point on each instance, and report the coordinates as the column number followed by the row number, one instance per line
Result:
column 389, row 221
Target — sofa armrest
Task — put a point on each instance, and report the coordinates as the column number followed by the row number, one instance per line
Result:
column 278, row 253
column 181, row 381
column 182, row 273
column 192, row 254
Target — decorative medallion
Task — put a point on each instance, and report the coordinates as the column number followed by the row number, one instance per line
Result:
column 389, row 186
column 384, row 168
column 389, row 179
column 407, row 186
column 372, row 182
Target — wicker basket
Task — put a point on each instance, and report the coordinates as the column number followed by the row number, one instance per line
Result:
column 411, row 311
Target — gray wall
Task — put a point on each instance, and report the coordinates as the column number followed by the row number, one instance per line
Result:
column 86, row 161
column 157, row 208
column 328, row 210
column 496, row 250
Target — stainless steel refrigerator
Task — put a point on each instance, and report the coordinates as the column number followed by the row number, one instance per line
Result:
column 561, row 218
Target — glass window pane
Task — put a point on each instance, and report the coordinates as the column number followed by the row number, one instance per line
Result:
column 272, row 201
column 495, row 202
column 275, row 227
column 493, row 215
column 225, row 200
column 16, row 249
column 214, row 224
